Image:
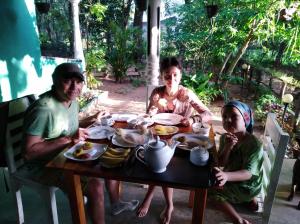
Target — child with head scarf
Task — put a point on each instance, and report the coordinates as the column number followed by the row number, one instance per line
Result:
column 241, row 155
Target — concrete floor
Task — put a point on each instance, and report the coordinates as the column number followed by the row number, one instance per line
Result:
column 283, row 212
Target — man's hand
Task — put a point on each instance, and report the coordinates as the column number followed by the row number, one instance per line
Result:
column 80, row 135
column 101, row 114
column 221, row 176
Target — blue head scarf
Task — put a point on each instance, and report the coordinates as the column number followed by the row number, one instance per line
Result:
column 245, row 111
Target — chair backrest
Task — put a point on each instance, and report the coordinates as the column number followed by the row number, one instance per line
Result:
column 14, row 131
column 275, row 141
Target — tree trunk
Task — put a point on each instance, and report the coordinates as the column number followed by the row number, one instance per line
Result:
column 223, row 67
column 138, row 23
column 126, row 12
column 240, row 52
column 279, row 55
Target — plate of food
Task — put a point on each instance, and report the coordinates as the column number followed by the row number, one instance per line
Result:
column 123, row 117
column 167, row 118
column 189, row 141
column 100, row 132
column 85, row 151
column 129, row 137
column 164, row 130
column 114, row 157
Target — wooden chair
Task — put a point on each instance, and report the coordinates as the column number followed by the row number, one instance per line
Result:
column 275, row 142
column 13, row 155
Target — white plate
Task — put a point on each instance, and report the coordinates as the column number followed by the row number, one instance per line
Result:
column 100, row 132
column 123, row 117
column 194, row 138
column 141, row 121
column 96, row 151
column 167, row 118
column 118, row 141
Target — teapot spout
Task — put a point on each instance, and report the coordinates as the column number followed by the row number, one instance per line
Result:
column 174, row 144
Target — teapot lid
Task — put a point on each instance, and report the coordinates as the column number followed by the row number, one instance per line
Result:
column 157, row 143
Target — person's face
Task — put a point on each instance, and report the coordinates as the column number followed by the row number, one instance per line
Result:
column 69, row 89
column 232, row 120
column 171, row 77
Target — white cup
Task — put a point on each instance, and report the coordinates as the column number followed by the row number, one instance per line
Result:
column 201, row 129
column 107, row 120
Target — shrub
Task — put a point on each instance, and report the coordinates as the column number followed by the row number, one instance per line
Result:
column 201, row 85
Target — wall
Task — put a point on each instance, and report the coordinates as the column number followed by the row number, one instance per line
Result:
column 22, row 69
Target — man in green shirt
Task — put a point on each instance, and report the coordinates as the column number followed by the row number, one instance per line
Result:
column 51, row 123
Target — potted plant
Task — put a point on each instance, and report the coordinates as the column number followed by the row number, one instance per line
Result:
column 211, row 10
column 42, row 7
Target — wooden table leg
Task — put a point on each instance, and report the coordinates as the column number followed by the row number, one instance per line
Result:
column 75, row 197
column 191, row 199
column 199, row 206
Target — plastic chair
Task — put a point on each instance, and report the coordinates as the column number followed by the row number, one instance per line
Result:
column 13, row 155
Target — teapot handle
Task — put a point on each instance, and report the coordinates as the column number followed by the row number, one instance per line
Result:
column 142, row 160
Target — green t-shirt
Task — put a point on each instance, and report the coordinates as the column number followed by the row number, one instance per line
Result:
column 246, row 156
column 50, row 119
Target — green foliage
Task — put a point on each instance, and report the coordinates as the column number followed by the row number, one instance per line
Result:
column 94, row 62
column 120, row 55
column 98, row 11
column 206, row 43
column 95, row 59
column 266, row 103
column 200, row 84
column 55, row 30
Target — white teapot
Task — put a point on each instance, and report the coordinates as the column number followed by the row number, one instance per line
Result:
column 157, row 154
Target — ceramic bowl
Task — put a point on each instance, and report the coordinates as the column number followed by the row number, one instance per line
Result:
column 201, row 129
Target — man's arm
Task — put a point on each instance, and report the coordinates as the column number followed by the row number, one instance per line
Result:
column 36, row 146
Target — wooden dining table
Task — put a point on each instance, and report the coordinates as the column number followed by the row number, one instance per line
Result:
column 180, row 174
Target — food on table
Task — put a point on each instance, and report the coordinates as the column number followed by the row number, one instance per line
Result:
column 114, row 157
column 181, row 139
column 131, row 137
column 164, row 130
column 80, row 153
column 87, row 146
column 84, row 156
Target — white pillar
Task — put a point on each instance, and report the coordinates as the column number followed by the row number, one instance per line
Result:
column 153, row 42
column 77, row 44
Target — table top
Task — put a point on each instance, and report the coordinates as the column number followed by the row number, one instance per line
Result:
column 180, row 173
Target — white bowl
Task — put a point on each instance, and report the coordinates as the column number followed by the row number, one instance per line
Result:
column 201, row 129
